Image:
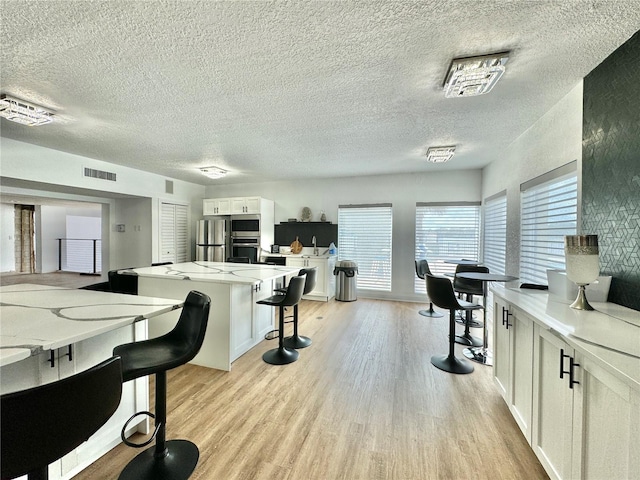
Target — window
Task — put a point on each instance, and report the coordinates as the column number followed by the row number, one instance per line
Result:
column 364, row 236
column 495, row 233
column 548, row 212
column 446, row 231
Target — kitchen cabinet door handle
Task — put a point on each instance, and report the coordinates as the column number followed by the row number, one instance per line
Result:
column 572, row 366
column 505, row 318
column 52, row 358
column 562, row 357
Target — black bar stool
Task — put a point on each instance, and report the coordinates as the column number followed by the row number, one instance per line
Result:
column 469, row 288
column 441, row 293
column 174, row 459
column 422, row 268
column 44, row 423
column 297, row 341
column 283, row 355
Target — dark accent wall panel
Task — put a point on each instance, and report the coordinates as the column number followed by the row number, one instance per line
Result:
column 611, row 168
column 325, row 233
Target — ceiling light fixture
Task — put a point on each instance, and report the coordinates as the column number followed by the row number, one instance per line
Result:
column 213, row 172
column 440, row 154
column 472, row 76
column 23, row 112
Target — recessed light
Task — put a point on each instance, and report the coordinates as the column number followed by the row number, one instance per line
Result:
column 213, row 172
column 440, row 154
column 472, row 76
column 23, row 112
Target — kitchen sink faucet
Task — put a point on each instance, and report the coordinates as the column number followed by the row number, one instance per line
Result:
column 315, row 248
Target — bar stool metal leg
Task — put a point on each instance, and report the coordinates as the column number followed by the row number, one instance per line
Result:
column 449, row 363
column 174, row 460
column 296, row 341
column 280, row 355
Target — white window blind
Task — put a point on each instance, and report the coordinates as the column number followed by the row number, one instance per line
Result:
column 446, row 231
column 548, row 212
column 495, row 233
column 364, row 236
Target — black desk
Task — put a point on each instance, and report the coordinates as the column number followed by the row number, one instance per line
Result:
column 483, row 354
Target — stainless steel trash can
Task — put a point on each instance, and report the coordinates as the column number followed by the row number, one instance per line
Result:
column 347, row 281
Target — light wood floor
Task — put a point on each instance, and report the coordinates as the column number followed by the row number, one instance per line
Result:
column 362, row 402
column 58, row 279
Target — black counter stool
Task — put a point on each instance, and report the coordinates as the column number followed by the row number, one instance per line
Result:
column 44, row 423
column 282, row 355
column 238, row 260
column 422, row 268
column 469, row 288
column 441, row 293
column 174, row 459
column 296, row 341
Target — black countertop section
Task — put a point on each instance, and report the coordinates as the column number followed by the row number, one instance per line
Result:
column 325, row 233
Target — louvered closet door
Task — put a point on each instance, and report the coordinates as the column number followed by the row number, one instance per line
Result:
column 173, row 233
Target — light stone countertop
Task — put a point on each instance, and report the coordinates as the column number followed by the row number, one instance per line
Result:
column 216, row 272
column 34, row 318
column 610, row 335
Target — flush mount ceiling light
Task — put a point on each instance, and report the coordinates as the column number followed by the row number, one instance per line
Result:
column 213, row 172
column 472, row 76
column 440, row 154
column 23, row 112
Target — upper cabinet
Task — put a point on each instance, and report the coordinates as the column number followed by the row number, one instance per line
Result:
column 233, row 206
column 216, row 206
column 249, row 205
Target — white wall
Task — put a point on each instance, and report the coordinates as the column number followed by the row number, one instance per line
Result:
column 135, row 215
column 41, row 166
column 50, row 224
column 7, row 231
column 554, row 140
column 403, row 191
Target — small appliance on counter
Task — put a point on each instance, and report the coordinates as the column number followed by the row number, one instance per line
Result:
column 275, row 248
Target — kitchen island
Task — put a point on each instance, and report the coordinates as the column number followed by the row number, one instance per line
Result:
column 49, row 333
column 236, row 322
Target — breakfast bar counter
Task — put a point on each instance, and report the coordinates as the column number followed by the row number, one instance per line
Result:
column 236, row 323
column 49, row 333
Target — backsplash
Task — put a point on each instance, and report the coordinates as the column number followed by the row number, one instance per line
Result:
column 611, row 168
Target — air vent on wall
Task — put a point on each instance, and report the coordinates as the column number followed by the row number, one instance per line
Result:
column 168, row 186
column 102, row 175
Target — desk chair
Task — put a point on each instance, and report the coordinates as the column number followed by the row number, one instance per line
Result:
column 44, row 423
column 441, row 293
column 283, row 355
column 174, row 459
column 422, row 268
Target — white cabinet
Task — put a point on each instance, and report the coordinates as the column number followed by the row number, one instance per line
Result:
column 513, row 358
column 38, row 370
column 606, row 425
column 235, row 206
column 248, row 205
column 216, row 206
column 553, row 403
column 325, row 283
column 583, row 420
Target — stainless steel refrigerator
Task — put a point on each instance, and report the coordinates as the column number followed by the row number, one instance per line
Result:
column 211, row 240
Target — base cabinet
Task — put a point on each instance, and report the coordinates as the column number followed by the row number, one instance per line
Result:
column 38, row 370
column 581, row 421
column 553, row 404
column 325, row 284
column 513, row 358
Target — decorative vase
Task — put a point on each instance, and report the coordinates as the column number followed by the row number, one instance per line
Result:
column 323, row 217
column 583, row 266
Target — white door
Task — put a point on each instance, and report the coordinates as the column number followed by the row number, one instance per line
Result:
column 174, row 236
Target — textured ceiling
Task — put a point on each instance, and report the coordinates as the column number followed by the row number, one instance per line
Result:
column 286, row 90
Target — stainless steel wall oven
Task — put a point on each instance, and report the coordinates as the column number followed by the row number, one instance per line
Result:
column 245, row 226
column 246, row 247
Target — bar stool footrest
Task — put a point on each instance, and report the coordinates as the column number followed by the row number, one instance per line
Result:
column 128, row 442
